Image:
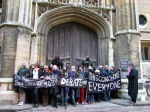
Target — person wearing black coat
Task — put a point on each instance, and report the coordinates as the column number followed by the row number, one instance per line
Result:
column 58, row 62
column 55, row 89
column 132, row 83
column 37, row 73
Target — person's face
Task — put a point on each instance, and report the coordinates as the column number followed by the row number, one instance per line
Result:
column 54, row 67
column 106, row 67
column 64, row 68
column 23, row 65
column 80, row 69
column 129, row 67
column 46, row 69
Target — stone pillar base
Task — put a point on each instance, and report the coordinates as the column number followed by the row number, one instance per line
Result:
column 123, row 93
column 8, row 97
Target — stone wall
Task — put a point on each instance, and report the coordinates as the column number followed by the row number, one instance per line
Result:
column 9, row 44
column 23, row 47
column 127, row 47
column 15, row 44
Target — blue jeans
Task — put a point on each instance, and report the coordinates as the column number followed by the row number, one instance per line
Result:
column 64, row 96
column 36, row 96
column 72, row 95
column 90, row 97
column 106, row 96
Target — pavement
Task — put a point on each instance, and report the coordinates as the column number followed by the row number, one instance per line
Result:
column 121, row 105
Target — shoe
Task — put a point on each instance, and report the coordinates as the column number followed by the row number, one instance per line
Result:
column 37, row 105
column 19, row 104
column 74, row 104
column 77, row 103
column 34, row 105
column 56, row 106
column 65, row 106
column 83, row 103
column 22, row 103
column 132, row 103
column 62, row 105
column 109, row 98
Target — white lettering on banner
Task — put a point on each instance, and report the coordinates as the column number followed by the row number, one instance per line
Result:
column 73, row 82
column 90, row 86
column 100, row 87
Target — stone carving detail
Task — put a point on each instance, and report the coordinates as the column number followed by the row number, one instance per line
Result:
column 42, row 9
column 91, row 2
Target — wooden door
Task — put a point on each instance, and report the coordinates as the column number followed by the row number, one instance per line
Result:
column 72, row 42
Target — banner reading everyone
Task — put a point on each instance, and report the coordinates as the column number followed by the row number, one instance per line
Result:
column 99, row 83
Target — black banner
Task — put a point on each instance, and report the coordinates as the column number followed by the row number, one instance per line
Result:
column 100, row 84
column 95, row 83
column 73, row 82
column 49, row 81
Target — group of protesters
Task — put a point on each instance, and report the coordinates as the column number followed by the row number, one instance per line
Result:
column 57, row 67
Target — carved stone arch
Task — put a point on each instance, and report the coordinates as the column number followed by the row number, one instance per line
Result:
column 80, row 15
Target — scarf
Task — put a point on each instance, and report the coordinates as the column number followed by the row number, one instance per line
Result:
column 35, row 73
column 129, row 70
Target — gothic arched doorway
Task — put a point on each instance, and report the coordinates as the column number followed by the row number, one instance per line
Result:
column 72, row 42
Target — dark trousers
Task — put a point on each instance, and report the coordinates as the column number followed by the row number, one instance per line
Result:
column 36, row 96
column 90, row 97
column 106, row 96
column 64, row 96
column 54, row 100
column 45, row 96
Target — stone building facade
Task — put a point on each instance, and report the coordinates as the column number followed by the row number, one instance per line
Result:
column 113, row 32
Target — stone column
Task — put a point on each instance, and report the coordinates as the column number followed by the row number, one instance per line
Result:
column 127, row 46
column 23, row 48
column 34, row 54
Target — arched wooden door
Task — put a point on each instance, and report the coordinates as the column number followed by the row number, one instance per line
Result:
column 72, row 42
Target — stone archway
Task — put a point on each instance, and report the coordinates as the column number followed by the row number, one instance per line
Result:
column 67, row 14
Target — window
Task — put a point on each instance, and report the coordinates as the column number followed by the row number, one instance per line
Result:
column 0, row 3
column 0, row 51
column 142, row 20
column 145, row 50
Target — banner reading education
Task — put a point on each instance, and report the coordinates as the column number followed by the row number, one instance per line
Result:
column 100, row 84
column 49, row 81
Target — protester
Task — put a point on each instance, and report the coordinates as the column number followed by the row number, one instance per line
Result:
column 82, row 94
column 106, row 72
column 89, row 76
column 58, row 62
column 55, row 89
column 23, row 72
column 45, row 91
column 73, row 90
column 86, row 63
column 65, row 90
column 112, row 70
column 132, row 83
column 37, row 73
column 80, row 91
column 97, row 96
